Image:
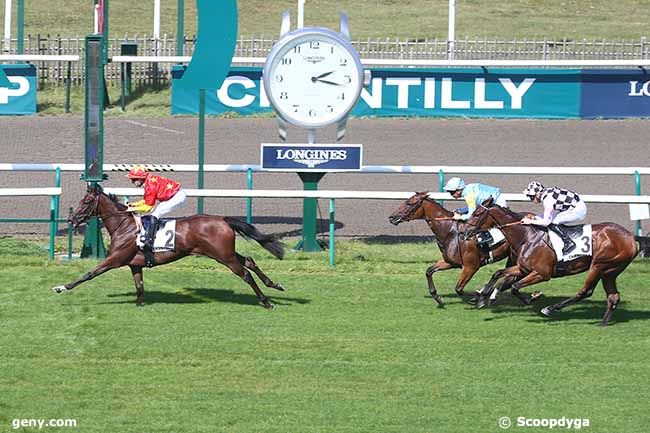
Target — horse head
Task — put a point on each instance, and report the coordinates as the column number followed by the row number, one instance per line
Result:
column 410, row 210
column 88, row 206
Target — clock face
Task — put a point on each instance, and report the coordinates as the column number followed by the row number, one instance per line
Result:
column 313, row 77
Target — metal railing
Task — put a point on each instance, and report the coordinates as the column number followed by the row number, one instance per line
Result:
column 437, row 171
column 406, row 49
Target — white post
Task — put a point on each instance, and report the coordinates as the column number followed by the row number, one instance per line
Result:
column 8, row 4
column 301, row 13
column 156, row 26
column 96, row 20
column 451, row 35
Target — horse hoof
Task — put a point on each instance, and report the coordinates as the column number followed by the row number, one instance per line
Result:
column 473, row 300
column 481, row 303
column 547, row 311
column 535, row 296
column 139, row 304
column 279, row 287
column 268, row 306
column 59, row 289
column 439, row 300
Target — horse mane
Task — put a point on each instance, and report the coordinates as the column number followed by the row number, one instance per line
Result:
column 510, row 212
column 432, row 201
column 115, row 201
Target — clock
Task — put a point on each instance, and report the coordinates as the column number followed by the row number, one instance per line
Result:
column 313, row 77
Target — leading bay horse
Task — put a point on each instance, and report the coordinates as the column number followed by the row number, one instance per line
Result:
column 205, row 235
column 457, row 252
column 613, row 249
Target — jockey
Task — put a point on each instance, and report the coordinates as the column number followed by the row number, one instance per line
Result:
column 561, row 206
column 166, row 192
column 473, row 194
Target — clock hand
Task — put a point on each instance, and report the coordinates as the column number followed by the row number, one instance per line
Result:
column 325, row 75
column 314, row 79
column 329, row 82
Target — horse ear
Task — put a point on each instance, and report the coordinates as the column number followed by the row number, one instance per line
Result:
column 488, row 202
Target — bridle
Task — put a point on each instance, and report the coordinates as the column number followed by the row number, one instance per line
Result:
column 94, row 211
column 482, row 219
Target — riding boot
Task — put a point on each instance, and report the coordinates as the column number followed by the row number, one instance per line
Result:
column 569, row 245
column 151, row 226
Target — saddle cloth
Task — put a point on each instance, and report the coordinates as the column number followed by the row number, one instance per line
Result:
column 165, row 236
column 581, row 235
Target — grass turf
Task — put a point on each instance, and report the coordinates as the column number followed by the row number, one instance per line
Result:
column 356, row 348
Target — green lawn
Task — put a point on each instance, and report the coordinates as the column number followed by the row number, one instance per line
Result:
column 356, row 348
column 553, row 19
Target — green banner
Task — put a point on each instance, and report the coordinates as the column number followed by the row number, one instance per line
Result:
column 409, row 92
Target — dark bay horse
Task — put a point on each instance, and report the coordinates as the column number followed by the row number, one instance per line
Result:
column 613, row 249
column 205, row 235
column 456, row 251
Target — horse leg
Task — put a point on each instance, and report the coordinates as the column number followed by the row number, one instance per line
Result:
column 237, row 268
column 111, row 262
column 486, row 292
column 593, row 276
column 438, row 266
column 136, row 271
column 466, row 274
column 530, row 279
column 613, row 297
column 249, row 263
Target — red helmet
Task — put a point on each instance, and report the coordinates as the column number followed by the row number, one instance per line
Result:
column 138, row 172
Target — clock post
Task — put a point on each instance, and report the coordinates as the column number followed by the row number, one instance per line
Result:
column 313, row 78
column 309, row 241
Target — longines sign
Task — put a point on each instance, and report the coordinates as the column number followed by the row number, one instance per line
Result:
column 311, row 157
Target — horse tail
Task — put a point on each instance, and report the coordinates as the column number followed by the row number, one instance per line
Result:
column 268, row 242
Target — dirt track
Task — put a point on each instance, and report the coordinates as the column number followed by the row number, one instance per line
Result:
column 386, row 142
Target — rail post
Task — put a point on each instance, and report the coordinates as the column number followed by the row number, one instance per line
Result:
column 249, row 200
column 332, row 228
column 637, row 189
column 69, row 234
column 441, row 183
column 52, row 226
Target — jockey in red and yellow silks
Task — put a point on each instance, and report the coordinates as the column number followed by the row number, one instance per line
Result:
column 161, row 196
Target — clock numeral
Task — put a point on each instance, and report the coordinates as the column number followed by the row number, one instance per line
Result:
column 312, row 113
column 279, row 78
column 286, row 61
column 296, row 50
column 314, row 45
column 295, row 108
column 342, row 97
column 331, row 50
column 284, row 95
column 330, row 109
column 344, row 62
column 348, row 79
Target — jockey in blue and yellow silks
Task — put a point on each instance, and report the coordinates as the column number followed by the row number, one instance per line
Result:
column 473, row 194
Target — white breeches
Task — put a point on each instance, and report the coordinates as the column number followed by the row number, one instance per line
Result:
column 572, row 216
column 164, row 207
column 501, row 201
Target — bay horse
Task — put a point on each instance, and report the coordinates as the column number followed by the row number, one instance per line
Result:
column 613, row 249
column 205, row 235
column 457, row 252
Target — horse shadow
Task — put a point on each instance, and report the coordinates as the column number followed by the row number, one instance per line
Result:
column 588, row 310
column 189, row 295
